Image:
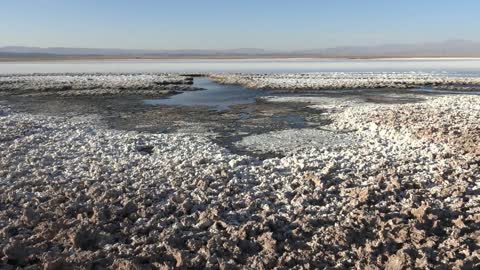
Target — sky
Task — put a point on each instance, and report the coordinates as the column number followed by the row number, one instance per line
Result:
column 215, row 24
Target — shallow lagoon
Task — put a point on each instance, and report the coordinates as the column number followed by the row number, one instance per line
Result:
column 217, row 96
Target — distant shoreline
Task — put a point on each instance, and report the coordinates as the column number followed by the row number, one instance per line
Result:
column 213, row 57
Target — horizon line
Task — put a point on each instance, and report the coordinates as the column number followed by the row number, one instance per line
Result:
column 244, row 47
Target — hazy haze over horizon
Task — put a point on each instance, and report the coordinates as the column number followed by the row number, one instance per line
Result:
column 277, row 25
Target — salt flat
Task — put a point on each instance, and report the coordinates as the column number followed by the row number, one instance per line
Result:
column 462, row 65
column 378, row 185
column 351, row 80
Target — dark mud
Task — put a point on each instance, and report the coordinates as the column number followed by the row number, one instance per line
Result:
column 132, row 114
column 224, row 118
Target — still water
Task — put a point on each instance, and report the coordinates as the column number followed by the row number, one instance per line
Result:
column 216, row 96
column 221, row 97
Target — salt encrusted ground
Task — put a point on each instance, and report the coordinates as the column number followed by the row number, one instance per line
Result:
column 289, row 140
column 406, row 194
column 350, row 80
column 96, row 84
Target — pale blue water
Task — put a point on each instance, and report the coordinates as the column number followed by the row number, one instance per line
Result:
column 221, row 97
column 216, row 96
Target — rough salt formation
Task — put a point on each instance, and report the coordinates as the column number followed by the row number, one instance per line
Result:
column 93, row 84
column 289, row 140
column 74, row 194
column 351, row 80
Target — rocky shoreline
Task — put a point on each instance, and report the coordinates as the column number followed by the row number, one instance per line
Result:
column 382, row 187
column 349, row 80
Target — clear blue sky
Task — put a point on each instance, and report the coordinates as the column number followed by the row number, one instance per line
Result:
column 205, row 24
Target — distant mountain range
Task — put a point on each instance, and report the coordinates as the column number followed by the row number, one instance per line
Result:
column 447, row 48
column 450, row 48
